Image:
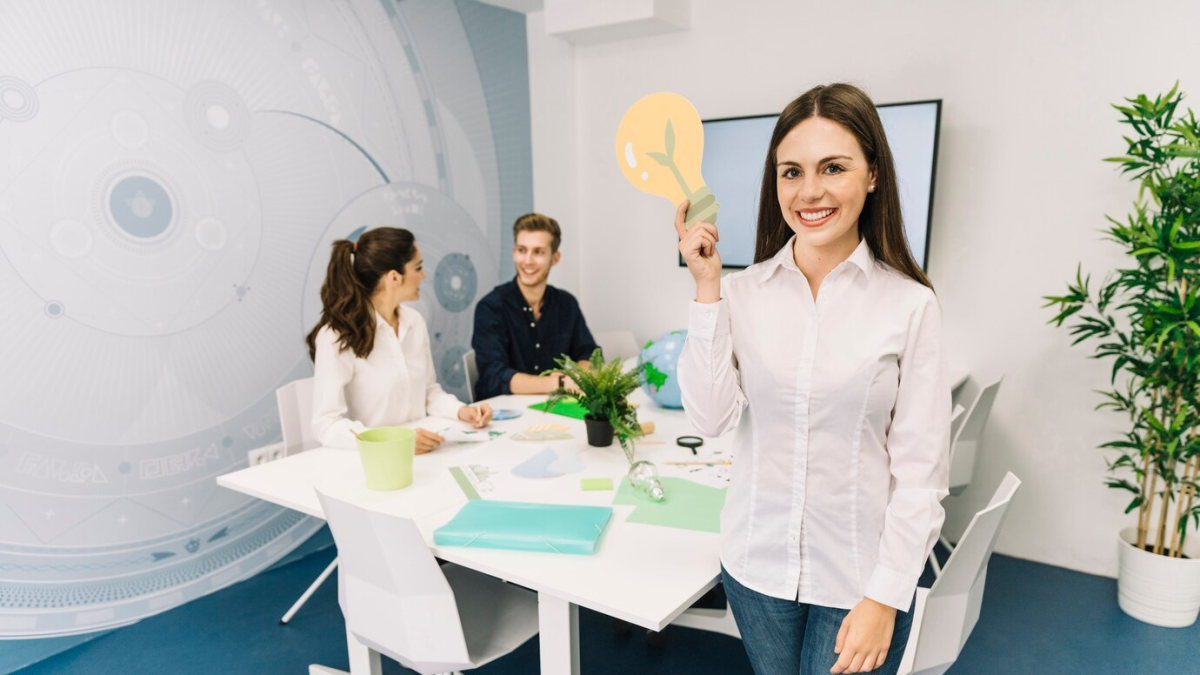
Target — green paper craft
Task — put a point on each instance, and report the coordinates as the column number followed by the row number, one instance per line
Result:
column 596, row 483
column 689, row 505
column 569, row 408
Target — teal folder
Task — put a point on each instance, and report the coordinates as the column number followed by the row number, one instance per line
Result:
column 551, row 528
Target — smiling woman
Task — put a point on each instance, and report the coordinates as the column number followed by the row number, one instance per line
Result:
column 832, row 342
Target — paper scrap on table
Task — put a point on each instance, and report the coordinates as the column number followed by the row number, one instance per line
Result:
column 596, row 483
column 456, row 435
column 503, row 414
column 689, row 505
column 543, row 432
column 473, row 479
column 548, row 464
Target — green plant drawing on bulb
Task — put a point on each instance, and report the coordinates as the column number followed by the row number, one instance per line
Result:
column 703, row 204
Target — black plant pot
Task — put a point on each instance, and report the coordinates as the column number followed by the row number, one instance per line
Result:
column 599, row 432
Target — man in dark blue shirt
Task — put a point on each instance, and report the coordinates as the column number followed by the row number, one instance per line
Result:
column 523, row 325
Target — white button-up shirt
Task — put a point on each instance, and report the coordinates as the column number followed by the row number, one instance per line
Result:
column 395, row 384
column 842, row 411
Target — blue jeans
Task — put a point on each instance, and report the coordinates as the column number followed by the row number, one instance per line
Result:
column 785, row 637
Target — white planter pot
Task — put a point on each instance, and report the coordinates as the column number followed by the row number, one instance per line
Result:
column 1156, row 589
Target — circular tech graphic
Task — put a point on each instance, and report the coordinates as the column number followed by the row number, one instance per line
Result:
column 18, row 101
column 217, row 116
column 455, row 282
column 449, row 240
column 451, row 373
column 166, row 210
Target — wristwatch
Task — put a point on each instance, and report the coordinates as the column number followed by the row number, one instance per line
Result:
column 562, row 381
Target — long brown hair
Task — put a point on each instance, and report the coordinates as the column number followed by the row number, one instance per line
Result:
column 880, row 222
column 353, row 273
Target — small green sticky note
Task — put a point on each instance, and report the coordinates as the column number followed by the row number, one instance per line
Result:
column 596, row 483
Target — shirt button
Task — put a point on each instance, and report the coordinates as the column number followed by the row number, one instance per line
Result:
column 535, row 368
column 531, row 325
column 537, row 345
column 793, row 539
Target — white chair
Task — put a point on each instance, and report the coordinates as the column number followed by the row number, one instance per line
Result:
column 397, row 601
column 618, row 344
column 295, row 401
column 472, row 373
column 295, row 422
column 967, row 432
column 945, row 614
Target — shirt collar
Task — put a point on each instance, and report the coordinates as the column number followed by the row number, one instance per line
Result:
column 861, row 257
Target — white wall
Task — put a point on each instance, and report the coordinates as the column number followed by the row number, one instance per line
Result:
column 552, row 90
column 1021, row 191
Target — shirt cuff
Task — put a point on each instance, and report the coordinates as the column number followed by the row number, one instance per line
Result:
column 506, row 380
column 707, row 319
column 891, row 588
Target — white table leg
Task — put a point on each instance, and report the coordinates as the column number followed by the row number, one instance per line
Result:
column 558, row 634
column 363, row 659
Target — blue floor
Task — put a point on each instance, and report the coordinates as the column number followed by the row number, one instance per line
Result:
column 1035, row 619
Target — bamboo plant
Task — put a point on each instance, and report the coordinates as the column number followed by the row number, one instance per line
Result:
column 604, row 389
column 1145, row 317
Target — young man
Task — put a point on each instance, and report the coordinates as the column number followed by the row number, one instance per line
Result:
column 523, row 325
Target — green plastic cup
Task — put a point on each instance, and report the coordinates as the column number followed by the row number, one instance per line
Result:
column 387, row 457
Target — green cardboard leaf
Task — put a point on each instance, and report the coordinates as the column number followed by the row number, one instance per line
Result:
column 670, row 139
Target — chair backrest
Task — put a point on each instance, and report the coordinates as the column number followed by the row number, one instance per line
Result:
column 967, row 434
column 295, row 401
column 472, row 372
column 393, row 594
column 952, row 606
column 618, row 344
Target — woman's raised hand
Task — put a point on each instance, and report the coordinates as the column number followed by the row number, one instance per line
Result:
column 698, row 246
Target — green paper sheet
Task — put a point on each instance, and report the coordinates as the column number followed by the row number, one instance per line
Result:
column 569, row 408
column 689, row 505
column 596, row 483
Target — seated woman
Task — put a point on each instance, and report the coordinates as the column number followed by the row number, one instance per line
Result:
column 372, row 361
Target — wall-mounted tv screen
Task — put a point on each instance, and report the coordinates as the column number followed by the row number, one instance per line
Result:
column 734, row 150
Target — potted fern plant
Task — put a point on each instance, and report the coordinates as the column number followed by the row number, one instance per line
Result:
column 604, row 388
column 1146, row 319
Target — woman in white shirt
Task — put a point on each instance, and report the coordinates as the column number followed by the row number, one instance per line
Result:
column 372, row 362
column 826, row 357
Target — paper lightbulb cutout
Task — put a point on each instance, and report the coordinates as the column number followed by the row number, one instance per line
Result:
column 660, row 143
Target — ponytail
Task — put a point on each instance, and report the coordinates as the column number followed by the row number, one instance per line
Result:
column 354, row 271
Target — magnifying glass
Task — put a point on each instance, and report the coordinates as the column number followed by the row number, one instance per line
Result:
column 690, row 442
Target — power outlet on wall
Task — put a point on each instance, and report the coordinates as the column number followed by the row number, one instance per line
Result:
column 265, row 454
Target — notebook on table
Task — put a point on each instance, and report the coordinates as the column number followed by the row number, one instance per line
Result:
column 518, row 526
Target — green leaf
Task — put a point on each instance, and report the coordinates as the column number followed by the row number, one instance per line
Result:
column 660, row 158
column 670, row 139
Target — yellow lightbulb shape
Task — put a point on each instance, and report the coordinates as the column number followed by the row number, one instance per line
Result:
column 660, row 143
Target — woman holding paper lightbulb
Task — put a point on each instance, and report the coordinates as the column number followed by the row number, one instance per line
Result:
column 372, row 360
column 832, row 342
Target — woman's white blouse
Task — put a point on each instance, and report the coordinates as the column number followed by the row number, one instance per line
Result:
column 842, row 411
column 395, row 384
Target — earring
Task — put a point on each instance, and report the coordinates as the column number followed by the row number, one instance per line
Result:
column 871, row 189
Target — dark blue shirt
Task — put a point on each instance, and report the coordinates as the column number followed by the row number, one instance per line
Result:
column 508, row 340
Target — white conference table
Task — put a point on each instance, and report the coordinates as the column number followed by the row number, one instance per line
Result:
column 643, row 574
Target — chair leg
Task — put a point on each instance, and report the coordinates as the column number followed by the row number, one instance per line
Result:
column 946, row 542
column 712, row 620
column 933, row 562
column 308, row 593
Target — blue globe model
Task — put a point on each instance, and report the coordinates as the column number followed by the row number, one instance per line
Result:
column 662, row 353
